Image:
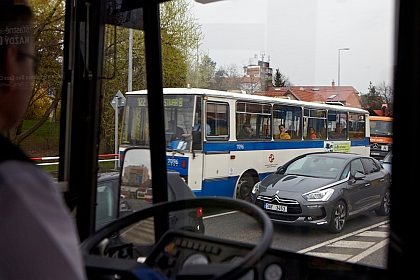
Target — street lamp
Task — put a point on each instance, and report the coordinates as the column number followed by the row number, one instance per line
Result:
column 343, row 49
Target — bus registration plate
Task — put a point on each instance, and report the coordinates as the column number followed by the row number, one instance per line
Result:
column 275, row 207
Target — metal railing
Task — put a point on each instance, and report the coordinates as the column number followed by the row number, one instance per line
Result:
column 45, row 161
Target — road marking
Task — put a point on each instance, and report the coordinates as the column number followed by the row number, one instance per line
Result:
column 218, row 215
column 341, row 237
column 374, row 234
column 367, row 247
column 351, row 244
column 368, row 251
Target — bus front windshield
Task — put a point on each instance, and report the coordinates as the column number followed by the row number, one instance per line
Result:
column 179, row 125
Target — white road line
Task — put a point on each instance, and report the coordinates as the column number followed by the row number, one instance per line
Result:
column 341, row 237
column 218, row 215
column 351, row 244
column 374, row 234
column 368, row 251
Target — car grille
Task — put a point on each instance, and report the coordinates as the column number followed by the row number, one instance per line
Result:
column 293, row 207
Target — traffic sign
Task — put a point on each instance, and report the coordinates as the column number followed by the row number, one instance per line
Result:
column 118, row 101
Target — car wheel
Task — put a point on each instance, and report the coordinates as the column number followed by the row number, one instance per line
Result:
column 244, row 189
column 338, row 218
column 385, row 204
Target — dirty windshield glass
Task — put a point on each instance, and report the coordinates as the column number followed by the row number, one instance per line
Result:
column 291, row 77
column 302, row 56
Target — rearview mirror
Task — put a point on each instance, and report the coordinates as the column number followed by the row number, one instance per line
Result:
column 136, row 173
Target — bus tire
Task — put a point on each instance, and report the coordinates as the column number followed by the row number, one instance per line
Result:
column 244, row 188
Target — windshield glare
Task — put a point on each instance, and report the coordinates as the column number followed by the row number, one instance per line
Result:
column 315, row 167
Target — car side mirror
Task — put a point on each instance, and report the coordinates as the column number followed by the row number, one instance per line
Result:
column 359, row 176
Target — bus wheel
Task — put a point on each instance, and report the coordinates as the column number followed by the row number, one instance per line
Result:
column 244, row 188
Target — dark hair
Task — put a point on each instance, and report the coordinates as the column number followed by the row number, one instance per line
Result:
column 247, row 125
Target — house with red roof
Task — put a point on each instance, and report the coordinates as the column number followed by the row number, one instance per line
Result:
column 346, row 95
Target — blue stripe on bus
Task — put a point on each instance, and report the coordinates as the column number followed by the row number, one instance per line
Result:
column 272, row 145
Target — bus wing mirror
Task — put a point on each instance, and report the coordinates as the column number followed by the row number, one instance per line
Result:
column 136, row 172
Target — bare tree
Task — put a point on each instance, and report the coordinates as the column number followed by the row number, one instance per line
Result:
column 387, row 94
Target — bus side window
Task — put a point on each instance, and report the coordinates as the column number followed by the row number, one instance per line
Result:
column 217, row 119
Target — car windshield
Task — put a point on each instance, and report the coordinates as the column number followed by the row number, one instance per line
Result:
column 321, row 167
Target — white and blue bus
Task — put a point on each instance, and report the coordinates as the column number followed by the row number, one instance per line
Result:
column 222, row 143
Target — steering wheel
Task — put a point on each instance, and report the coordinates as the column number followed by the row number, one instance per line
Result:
column 100, row 266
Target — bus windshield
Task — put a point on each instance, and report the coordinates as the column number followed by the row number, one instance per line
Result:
column 381, row 128
column 179, row 115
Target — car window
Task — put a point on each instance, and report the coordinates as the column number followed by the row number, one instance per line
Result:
column 345, row 172
column 357, row 166
column 105, row 209
column 370, row 166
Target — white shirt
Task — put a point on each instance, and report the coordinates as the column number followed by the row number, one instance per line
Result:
column 38, row 238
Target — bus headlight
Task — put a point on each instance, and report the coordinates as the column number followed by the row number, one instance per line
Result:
column 322, row 195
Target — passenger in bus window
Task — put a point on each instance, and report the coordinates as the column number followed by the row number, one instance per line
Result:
column 312, row 134
column 283, row 133
column 38, row 238
column 245, row 132
column 197, row 127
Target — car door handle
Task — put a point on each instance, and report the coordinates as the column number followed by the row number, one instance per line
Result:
column 367, row 185
column 382, row 179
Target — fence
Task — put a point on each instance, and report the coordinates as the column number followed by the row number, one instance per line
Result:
column 54, row 160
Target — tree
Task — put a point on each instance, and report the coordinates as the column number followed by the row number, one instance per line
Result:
column 372, row 99
column 201, row 72
column 281, row 80
column 226, row 78
column 48, row 27
column 387, row 95
column 180, row 33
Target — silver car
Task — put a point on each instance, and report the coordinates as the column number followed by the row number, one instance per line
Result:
column 324, row 190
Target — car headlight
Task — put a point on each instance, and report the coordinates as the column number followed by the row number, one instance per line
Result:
column 322, row 195
column 256, row 188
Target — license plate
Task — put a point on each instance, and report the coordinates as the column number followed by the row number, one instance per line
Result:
column 275, row 207
column 172, row 162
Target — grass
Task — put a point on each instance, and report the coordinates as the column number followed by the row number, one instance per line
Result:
column 45, row 142
column 46, row 132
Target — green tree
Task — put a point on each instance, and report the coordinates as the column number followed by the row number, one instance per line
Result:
column 201, row 71
column 180, row 33
column 48, row 27
column 372, row 99
column 281, row 80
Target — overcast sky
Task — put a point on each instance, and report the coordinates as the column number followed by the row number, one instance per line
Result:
column 302, row 38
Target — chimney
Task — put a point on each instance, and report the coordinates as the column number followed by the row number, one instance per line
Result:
column 333, row 84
